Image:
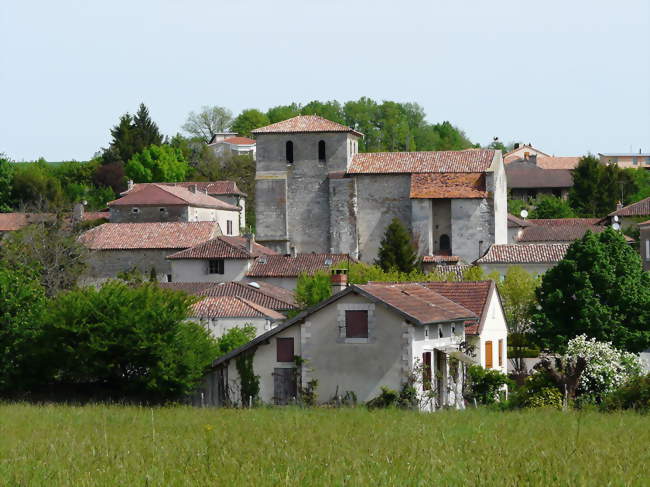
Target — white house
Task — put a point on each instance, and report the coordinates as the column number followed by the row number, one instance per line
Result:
column 368, row 336
column 229, row 143
column 535, row 258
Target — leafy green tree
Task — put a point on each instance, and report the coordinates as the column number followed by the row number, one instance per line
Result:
column 362, row 116
column 21, row 302
column 157, row 164
column 397, row 251
column 6, row 180
column 132, row 341
column 234, row 338
column 599, row 289
column 209, row 121
column 34, row 186
column 552, row 207
column 311, row 289
column 516, row 205
column 145, row 130
column 283, row 112
column 330, row 110
column 249, row 120
column 639, row 185
column 596, row 187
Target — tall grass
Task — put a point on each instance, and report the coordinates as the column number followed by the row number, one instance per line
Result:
column 113, row 445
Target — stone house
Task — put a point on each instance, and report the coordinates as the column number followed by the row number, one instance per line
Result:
column 232, row 145
column 629, row 215
column 123, row 247
column 162, row 203
column 221, row 259
column 224, row 191
column 535, row 258
column 627, row 159
column 644, row 244
column 365, row 337
column 316, row 193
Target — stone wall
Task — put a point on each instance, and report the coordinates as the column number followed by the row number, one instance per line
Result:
column 106, row 264
column 472, row 227
column 170, row 213
column 196, row 270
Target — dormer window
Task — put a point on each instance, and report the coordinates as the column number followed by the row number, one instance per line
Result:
column 321, row 151
column 289, row 152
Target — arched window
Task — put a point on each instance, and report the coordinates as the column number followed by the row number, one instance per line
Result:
column 445, row 244
column 321, row 151
column 289, row 152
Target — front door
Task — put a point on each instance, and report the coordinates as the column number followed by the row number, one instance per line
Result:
column 284, row 385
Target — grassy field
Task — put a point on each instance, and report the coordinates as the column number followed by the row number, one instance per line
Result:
column 113, row 445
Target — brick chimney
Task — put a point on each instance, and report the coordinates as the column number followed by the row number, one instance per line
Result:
column 192, row 188
column 339, row 280
column 129, row 185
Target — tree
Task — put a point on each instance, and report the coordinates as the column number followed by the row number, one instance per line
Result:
column 234, row 338
column 311, row 289
column 209, row 121
column 129, row 341
column 283, row 112
column 145, row 130
column 50, row 250
column 330, row 110
column 249, row 120
column 596, row 187
column 639, row 187
column 157, row 164
column 396, row 251
column 552, row 207
column 6, row 179
column 599, row 289
column 34, row 186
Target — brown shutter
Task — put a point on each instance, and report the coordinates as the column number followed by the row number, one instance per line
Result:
column 284, row 349
column 488, row 355
column 500, row 353
column 356, row 324
column 426, row 371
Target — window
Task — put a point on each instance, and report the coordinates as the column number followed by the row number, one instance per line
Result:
column 356, row 324
column 169, row 278
column 500, row 353
column 215, row 266
column 321, row 151
column 162, row 210
column 135, row 210
column 284, row 347
column 635, row 161
column 445, row 243
column 426, row 332
column 488, row 355
column 440, row 333
column 289, row 152
column 453, row 330
column 228, row 227
column 426, row 371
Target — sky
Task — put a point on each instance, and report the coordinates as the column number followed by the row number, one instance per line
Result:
column 570, row 77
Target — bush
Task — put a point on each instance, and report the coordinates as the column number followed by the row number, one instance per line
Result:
column 546, row 397
column 387, row 398
column 485, row 384
column 634, row 394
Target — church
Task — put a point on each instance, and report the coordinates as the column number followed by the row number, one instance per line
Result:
column 316, row 193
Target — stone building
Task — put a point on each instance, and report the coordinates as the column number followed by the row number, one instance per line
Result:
column 316, row 193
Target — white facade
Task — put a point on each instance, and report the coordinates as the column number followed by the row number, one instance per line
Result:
column 493, row 329
column 219, row 326
column 198, row 270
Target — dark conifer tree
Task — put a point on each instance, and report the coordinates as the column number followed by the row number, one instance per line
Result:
column 397, row 251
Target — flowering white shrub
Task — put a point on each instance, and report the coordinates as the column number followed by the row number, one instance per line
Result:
column 607, row 367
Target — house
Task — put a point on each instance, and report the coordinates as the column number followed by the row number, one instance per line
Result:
column 284, row 270
column 316, row 193
column 537, row 174
column 221, row 259
column 627, row 159
column 644, row 244
column 535, row 258
column 558, row 230
column 365, row 337
column 629, row 215
column 164, row 203
column 515, row 227
column 123, row 247
column 225, row 191
column 522, row 151
column 230, row 144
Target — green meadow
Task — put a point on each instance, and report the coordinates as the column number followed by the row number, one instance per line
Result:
column 123, row 445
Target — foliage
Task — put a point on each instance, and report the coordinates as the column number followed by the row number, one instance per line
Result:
column 538, row 390
column 474, row 273
column 34, row 186
column 249, row 120
column 634, row 394
column 6, row 179
column 640, row 185
column 130, row 136
column 50, row 250
column 209, row 121
column 607, row 368
column 249, row 382
column 396, row 250
column 307, row 395
column 234, row 338
column 546, row 397
column 386, row 398
column 596, row 187
column 547, row 206
column 516, row 205
column 22, row 299
column 485, row 384
column 157, row 163
column 599, row 289
column 311, row 289
column 131, row 340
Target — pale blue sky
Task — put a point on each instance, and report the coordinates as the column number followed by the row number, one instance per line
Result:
column 569, row 76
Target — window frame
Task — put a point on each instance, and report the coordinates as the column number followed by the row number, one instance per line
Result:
column 289, row 151
column 322, row 151
column 356, row 336
column 280, row 356
column 219, row 266
column 228, row 227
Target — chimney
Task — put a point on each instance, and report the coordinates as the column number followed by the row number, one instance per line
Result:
column 339, row 280
column 129, row 185
column 78, row 212
column 292, row 251
column 533, row 158
column 526, row 155
column 192, row 188
column 250, row 241
column 619, row 206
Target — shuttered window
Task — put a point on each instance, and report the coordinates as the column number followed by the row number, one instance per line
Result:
column 488, row 355
column 356, row 324
column 426, row 371
column 284, row 349
column 500, row 353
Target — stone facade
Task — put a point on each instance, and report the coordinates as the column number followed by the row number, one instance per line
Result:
column 106, row 264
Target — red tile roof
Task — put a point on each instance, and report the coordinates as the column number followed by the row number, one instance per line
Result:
column 239, row 141
column 305, row 124
column 515, row 222
column 456, row 270
column 214, row 188
column 164, row 235
column 418, row 302
column 287, row 266
column 96, row 215
column 552, row 162
column 232, row 307
column 260, row 293
column 471, row 295
column 564, row 221
column 534, row 177
column 557, row 232
column 427, row 259
column 640, row 208
column 223, row 248
column 542, row 253
column 469, row 160
column 448, row 185
column 163, row 195
column 15, row 221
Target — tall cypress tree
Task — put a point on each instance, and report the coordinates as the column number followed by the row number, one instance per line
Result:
column 146, row 131
column 397, row 251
